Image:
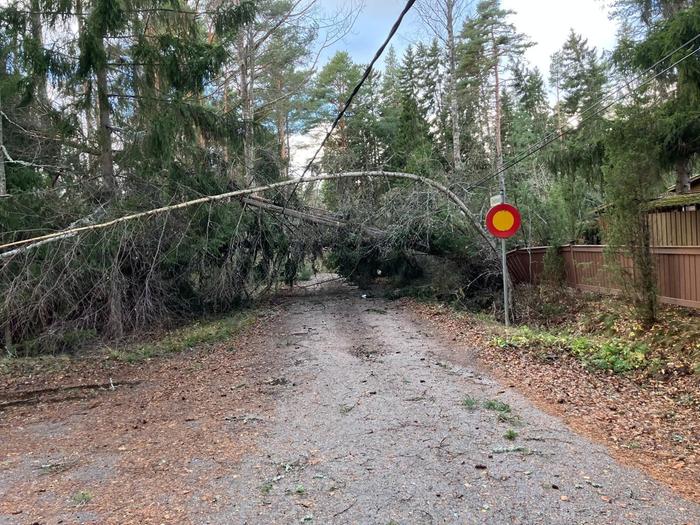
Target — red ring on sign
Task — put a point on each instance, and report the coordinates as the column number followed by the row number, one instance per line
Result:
column 503, row 208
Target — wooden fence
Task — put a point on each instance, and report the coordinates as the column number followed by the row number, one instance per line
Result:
column 675, row 228
column 677, row 271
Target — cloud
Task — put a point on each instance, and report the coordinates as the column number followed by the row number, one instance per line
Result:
column 548, row 22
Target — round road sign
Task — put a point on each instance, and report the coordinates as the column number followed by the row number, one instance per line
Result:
column 503, row 221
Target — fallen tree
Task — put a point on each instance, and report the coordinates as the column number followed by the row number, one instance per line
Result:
column 28, row 244
column 193, row 258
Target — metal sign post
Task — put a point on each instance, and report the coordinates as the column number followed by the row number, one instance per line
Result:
column 503, row 221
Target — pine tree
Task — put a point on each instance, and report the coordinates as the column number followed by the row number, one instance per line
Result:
column 430, row 75
column 333, row 87
column 391, row 92
column 677, row 101
column 492, row 44
column 643, row 14
column 408, row 74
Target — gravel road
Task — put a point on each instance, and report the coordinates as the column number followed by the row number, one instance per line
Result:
column 332, row 409
column 370, row 426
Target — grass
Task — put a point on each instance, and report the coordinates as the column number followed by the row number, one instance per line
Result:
column 185, row 338
column 81, row 498
column 497, row 406
column 209, row 331
column 266, row 487
column 504, row 412
column 604, row 333
column 511, row 435
column 470, row 403
column 512, row 419
column 300, row 490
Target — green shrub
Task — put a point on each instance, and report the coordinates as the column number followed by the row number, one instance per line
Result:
column 609, row 354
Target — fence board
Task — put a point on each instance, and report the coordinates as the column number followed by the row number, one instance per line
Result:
column 677, row 270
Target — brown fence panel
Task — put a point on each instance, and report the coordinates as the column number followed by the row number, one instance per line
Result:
column 678, row 275
column 677, row 270
column 527, row 265
column 675, row 228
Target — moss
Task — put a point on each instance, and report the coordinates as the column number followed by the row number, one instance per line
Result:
column 674, row 201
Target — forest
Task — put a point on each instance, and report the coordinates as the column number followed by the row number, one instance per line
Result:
column 110, row 108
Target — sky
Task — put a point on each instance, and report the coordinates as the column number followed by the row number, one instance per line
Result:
column 545, row 22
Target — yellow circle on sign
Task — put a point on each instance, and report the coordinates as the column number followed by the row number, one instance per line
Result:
column 503, row 221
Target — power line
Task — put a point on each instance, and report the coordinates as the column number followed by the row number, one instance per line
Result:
column 548, row 139
column 355, row 91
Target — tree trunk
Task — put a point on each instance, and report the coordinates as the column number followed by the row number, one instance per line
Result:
column 116, row 314
column 454, row 102
column 643, row 274
column 282, row 141
column 37, row 35
column 105, row 131
column 683, row 176
column 246, row 66
column 497, row 123
column 91, row 122
column 3, row 178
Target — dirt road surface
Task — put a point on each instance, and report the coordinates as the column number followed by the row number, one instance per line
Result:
column 357, row 417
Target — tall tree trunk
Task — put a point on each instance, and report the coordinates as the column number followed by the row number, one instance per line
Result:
column 105, row 131
column 91, row 122
column 454, row 102
column 104, row 134
column 9, row 351
column 3, row 178
column 683, row 176
column 246, row 64
column 282, row 140
column 497, row 123
column 37, row 35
